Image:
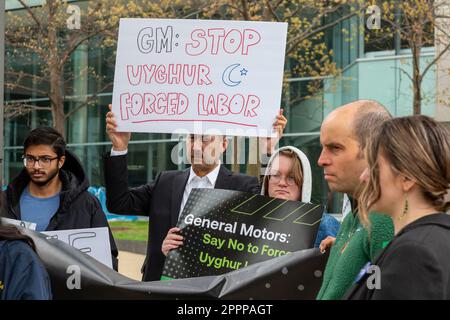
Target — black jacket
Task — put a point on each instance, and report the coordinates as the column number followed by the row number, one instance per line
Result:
column 78, row 208
column 160, row 200
column 415, row 265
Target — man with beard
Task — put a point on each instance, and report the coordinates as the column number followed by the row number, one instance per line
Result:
column 164, row 198
column 52, row 189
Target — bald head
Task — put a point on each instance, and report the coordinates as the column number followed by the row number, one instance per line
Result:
column 361, row 116
column 343, row 136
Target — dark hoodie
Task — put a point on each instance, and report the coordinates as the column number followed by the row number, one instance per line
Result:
column 415, row 265
column 78, row 208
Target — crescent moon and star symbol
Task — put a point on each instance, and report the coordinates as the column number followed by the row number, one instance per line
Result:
column 226, row 75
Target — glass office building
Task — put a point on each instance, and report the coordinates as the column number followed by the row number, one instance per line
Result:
column 365, row 74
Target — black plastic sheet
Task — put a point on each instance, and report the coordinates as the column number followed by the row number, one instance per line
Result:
column 294, row 276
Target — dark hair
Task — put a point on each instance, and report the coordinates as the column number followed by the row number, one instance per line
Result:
column 46, row 136
column 9, row 232
column 369, row 116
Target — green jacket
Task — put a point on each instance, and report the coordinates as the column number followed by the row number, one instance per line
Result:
column 352, row 250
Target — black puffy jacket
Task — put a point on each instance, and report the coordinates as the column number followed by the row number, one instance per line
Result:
column 78, row 208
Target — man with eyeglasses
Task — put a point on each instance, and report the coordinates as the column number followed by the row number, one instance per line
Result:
column 52, row 188
column 164, row 198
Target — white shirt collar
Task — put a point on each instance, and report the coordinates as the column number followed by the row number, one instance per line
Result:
column 212, row 176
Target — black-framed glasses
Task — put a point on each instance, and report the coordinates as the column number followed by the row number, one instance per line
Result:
column 44, row 162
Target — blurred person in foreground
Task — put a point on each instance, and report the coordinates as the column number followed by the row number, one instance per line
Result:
column 22, row 274
column 407, row 178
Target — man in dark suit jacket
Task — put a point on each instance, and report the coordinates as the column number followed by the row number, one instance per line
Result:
column 165, row 197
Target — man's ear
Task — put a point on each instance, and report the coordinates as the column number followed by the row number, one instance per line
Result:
column 61, row 162
column 224, row 144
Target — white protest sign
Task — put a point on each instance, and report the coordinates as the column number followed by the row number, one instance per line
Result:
column 19, row 223
column 199, row 76
column 92, row 241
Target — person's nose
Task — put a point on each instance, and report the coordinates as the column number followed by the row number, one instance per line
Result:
column 283, row 181
column 197, row 144
column 197, row 151
column 38, row 163
column 364, row 177
column 324, row 160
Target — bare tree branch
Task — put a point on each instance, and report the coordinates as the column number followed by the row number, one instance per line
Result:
column 244, row 11
column 13, row 110
column 271, row 10
column 15, row 85
column 435, row 60
column 33, row 16
column 87, row 102
column 236, row 8
column 443, row 31
column 75, row 44
column 403, row 71
column 25, row 75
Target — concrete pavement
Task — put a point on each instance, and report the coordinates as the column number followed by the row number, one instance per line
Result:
column 130, row 264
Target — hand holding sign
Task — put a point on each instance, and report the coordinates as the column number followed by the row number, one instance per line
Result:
column 268, row 144
column 119, row 139
column 172, row 241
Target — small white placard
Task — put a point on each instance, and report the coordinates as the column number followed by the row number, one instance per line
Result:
column 92, row 241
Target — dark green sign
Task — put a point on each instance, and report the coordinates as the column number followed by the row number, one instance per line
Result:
column 227, row 230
